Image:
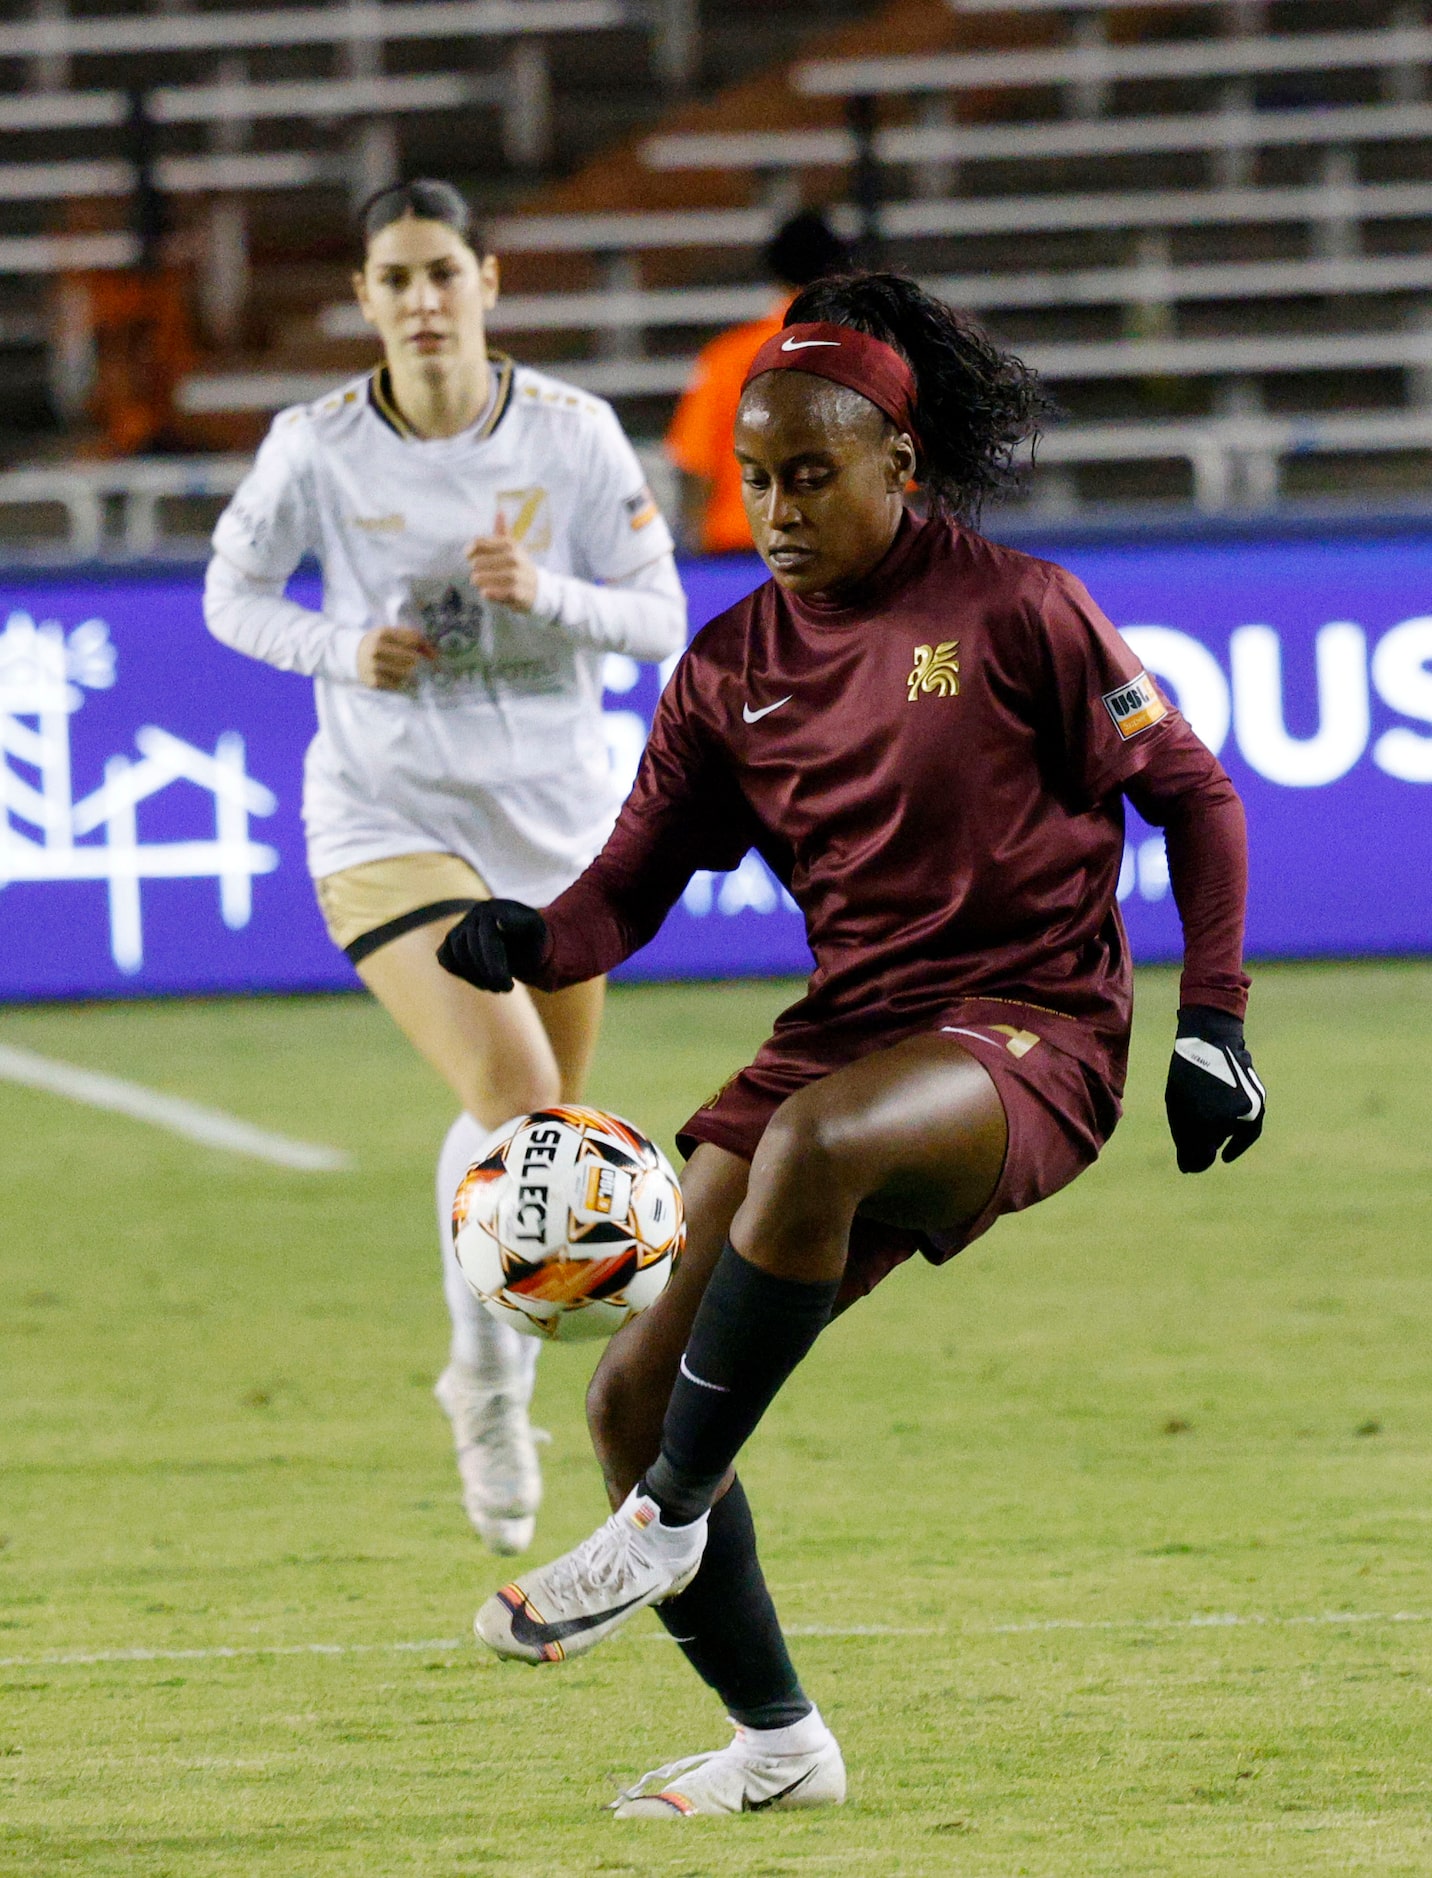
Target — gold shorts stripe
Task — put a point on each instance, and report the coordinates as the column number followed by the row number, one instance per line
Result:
column 360, row 900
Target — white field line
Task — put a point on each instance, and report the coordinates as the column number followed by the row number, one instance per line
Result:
column 212, row 1127
column 1212, row 1620
column 1222, row 1620
column 224, row 1651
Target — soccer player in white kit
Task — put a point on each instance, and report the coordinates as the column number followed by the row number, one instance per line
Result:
column 486, row 539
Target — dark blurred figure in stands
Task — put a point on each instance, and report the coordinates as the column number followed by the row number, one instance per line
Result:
column 713, row 520
column 134, row 323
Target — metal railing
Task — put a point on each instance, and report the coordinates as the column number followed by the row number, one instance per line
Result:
column 135, row 486
column 1272, row 55
column 1220, row 357
column 359, row 23
column 1236, row 464
column 1237, row 129
column 1337, row 201
column 357, row 27
column 1152, row 280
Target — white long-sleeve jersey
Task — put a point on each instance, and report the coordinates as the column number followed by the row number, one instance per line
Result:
column 497, row 752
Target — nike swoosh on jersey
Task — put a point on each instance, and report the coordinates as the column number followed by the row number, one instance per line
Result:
column 748, row 1805
column 529, row 1630
column 754, row 717
column 800, row 345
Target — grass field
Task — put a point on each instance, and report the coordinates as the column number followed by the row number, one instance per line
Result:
column 1109, row 1547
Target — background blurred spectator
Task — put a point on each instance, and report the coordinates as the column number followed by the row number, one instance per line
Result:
column 699, row 441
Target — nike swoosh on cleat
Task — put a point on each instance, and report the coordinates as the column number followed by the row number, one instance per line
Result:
column 748, row 1805
column 527, row 1630
column 800, row 345
column 754, row 717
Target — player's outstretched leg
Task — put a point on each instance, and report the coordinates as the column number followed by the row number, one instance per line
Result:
column 487, row 1386
column 724, row 1622
column 916, row 1134
column 531, row 1619
column 920, row 1130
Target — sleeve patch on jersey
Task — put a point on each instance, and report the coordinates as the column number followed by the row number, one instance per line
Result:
column 640, row 508
column 1135, row 706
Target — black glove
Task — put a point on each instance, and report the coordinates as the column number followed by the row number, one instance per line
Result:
column 497, row 941
column 1214, row 1098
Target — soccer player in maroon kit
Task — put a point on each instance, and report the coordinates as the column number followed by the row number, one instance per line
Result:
column 929, row 738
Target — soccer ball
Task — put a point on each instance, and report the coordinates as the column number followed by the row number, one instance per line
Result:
column 568, row 1224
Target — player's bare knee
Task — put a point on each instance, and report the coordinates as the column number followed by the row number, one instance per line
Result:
column 803, row 1152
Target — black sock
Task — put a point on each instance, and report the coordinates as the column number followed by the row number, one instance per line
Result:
column 727, row 1626
column 751, row 1330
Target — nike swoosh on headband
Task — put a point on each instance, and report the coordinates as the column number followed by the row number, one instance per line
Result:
column 800, row 345
column 754, row 717
column 525, row 1628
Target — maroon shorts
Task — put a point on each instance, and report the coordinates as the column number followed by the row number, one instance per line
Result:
column 1058, row 1111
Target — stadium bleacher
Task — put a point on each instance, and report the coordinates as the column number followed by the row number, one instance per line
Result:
column 1209, row 222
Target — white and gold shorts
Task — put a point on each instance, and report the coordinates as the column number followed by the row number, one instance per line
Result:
column 368, row 906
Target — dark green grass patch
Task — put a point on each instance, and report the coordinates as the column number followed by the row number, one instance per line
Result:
column 1107, row 1546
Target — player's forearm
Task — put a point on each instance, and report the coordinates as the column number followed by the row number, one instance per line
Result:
column 586, row 937
column 619, row 903
column 644, row 617
column 1205, row 833
column 253, row 617
column 684, row 812
column 612, row 911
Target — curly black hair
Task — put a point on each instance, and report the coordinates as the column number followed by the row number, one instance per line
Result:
column 974, row 405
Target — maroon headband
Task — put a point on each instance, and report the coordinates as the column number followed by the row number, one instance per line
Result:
column 846, row 357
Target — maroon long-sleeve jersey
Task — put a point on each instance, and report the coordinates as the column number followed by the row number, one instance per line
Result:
column 935, row 767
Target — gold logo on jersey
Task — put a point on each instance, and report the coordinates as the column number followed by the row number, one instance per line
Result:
column 1020, row 1043
column 527, row 516
column 936, row 671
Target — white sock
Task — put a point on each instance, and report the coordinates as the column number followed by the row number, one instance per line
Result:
column 497, row 1356
column 806, row 1736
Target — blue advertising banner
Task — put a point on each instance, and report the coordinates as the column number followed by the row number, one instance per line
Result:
column 150, row 779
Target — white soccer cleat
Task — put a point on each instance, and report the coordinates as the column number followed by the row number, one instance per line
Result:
column 496, row 1458
column 569, row 1606
column 743, row 1778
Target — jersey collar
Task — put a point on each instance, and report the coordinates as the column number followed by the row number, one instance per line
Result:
column 382, row 402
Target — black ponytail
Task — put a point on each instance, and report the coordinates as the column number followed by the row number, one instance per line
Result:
column 974, row 404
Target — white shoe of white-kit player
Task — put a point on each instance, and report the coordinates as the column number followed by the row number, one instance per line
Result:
column 496, row 1458
column 775, row 1768
column 569, row 1606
